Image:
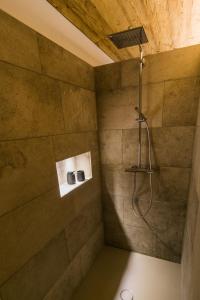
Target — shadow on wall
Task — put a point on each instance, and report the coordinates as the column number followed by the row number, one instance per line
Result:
column 125, row 230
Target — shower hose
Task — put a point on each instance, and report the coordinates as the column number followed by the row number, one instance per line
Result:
column 135, row 203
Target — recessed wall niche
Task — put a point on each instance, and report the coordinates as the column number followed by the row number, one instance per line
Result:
column 73, row 172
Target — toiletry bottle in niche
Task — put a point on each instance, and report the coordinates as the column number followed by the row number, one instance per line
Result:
column 80, row 175
column 71, row 179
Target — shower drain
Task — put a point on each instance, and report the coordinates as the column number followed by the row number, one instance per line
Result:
column 126, row 294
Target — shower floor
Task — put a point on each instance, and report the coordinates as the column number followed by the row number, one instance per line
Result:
column 146, row 277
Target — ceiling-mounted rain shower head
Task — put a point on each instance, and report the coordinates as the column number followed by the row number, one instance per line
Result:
column 128, row 38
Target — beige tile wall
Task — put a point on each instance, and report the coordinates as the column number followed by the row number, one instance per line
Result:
column 47, row 113
column 170, row 100
column 190, row 259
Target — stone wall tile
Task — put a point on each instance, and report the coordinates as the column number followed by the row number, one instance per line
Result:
column 111, row 146
column 30, row 227
column 130, row 72
column 130, row 147
column 72, row 144
column 27, row 170
column 116, row 108
column 113, row 208
column 18, row 43
column 79, row 108
column 30, row 104
column 175, row 64
column 108, row 77
column 61, row 64
column 39, row 274
column 82, row 227
column 91, row 250
column 173, row 146
column 67, row 283
column 173, row 184
column 181, row 102
column 115, row 181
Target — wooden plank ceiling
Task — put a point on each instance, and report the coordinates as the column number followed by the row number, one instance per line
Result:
column 168, row 24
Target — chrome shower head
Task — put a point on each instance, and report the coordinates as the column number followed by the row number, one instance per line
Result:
column 128, row 38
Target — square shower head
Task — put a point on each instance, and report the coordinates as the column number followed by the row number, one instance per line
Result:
column 128, row 38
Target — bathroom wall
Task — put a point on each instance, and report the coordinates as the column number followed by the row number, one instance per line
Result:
column 170, row 100
column 47, row 113
column 190, row 260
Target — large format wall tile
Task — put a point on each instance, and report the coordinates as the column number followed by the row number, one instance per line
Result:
column 196, row 160
column 111, row 146
column 68, row 282
column 165, row 215
column 190, row 258
column 39, row 274
column 82, row 227
column 61, row 64
column 192, row 215
column 72, row 144
column 116, row 181
column 176, row 64
column 167, row 222
column 152, row 103
column 27, row 169
column 130, row 72
column 130, row 147
column 129, row 237
column 173, row 236
column 143, row 245
column 116, row 109
column 108, row 77
column 173, row 184
column 91, row 249
column 181, row 102
column 113, row 208
column 30, row 104
column 198, row 115
column 89, row 191
column 25, row 231
column 173, row 146
column 79, row 109
column 115, row 234
column 18, row 43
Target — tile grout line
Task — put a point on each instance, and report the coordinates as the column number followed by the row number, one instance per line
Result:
column 46, row 136
column 104, row 90
column 45, row 75
column 34, row 255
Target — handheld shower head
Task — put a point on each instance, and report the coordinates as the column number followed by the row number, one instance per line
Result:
column 142, row 117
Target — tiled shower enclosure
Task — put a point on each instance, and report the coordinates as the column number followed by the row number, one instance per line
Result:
column 170, row 102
